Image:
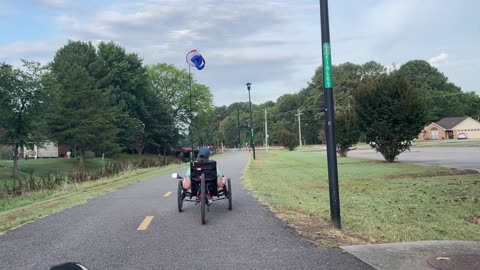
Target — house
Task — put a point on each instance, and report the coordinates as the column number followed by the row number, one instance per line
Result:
column 49, row 149
column 450, row 127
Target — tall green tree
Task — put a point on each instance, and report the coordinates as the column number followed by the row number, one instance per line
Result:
column 443, row 97
column 391, row 113
column 347, row 78
column 85, row 112
column 22, row 99
column 172, row 86
column 347, row 130
column 161, row 132
column 472, row 104
column 126, row 76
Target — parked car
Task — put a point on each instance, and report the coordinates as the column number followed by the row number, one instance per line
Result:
column 462, row 136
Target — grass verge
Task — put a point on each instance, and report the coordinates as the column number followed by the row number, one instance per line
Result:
column 448, row 143
column 380, row 202
column 16, row 211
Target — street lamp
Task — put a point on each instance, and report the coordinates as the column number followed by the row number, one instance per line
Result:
column 251, row 120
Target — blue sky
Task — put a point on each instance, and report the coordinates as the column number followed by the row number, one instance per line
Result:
column 275, row 44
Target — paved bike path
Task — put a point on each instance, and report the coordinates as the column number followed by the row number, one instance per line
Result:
column 103, row 233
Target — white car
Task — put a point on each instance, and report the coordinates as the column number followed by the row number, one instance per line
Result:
column 462, row 136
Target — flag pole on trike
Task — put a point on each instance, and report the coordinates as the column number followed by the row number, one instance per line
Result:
column 330, row 117
column 194, row 59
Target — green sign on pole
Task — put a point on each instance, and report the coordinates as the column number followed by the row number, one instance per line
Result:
column 327, row 65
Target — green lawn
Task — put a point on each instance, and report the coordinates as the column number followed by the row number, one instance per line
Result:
column 42, row 167
column 448, row 143
column 380, row 202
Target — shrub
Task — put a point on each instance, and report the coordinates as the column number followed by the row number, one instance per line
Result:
column 287, row 139
column 391, row 113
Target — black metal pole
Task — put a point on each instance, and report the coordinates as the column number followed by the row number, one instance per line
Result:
column 251, row 120
column 330, row 117
column 238, row 129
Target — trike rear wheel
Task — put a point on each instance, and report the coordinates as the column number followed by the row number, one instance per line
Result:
column 229, row 189
column 203, row 197
column 180, row 196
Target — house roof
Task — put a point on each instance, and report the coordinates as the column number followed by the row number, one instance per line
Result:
column 451, row 122
column 433, row 123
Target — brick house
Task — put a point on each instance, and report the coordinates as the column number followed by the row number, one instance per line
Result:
column 450, row 127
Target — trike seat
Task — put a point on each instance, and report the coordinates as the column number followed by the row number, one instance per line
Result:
column 209, row 169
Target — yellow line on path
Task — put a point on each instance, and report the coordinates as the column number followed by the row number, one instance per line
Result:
column 167, row 194
column 145, row 223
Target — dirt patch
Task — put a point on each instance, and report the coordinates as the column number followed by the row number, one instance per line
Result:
column 320, row 232
column 321, row 186
column 474, row 220
column 436, row 174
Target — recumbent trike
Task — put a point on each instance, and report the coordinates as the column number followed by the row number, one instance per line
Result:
column 204, row 189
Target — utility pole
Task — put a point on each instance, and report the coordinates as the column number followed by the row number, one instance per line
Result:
column 238, row 128
column 299, row 127
column 252, row 142
column 330, row 117
column 266, row 132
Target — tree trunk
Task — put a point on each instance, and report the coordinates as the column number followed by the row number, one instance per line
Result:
column 343, row 152
column 15, row 160
column 165, row 155
column 140, row 145
column 82, row 163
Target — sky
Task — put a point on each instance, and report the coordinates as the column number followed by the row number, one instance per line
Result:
column 274, row 44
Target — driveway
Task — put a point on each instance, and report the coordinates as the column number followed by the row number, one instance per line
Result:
column 452, row 157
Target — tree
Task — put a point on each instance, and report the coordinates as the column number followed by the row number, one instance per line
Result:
column 230, row 125
column 347, row 79
column 288, row 139
column 160, row 128
column 131, row 133
column 443, row 98
column 472, row 101
column 391, row 113
column 127, row 78
column 172, row 86
column 347, row 130
column 22, row 98
column 85, row 113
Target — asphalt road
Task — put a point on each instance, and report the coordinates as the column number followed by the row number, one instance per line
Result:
column 452, row 157
column 103, row 234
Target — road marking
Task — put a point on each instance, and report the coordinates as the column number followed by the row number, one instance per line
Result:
column 145, row 223
column 167, row 194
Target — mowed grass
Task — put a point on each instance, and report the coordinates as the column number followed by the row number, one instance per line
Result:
column 448, row 143
column 380, row 202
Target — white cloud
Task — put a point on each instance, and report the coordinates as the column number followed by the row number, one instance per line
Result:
column 241, row 40
column 24, row 49
column 274, row 44
column 54, row 3
column 437, row 60
column 112, row 17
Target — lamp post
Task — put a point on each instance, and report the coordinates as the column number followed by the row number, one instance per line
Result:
column 252, row 144
column 330, row 117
